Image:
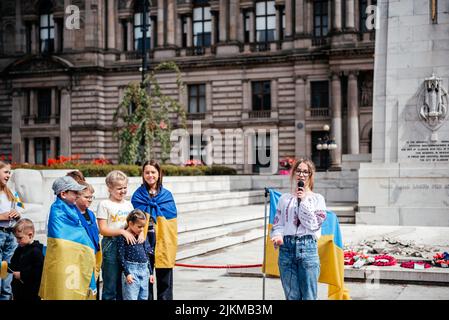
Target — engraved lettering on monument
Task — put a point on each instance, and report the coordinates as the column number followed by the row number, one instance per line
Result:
column 424, row 151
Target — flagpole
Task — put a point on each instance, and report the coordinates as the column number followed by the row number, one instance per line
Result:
column 264, row 244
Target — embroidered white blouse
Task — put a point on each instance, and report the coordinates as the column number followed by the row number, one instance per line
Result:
column 289, row 221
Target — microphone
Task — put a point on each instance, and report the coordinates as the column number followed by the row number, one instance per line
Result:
column 300, row 185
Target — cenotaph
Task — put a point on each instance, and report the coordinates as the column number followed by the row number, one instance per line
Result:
column 407, row 181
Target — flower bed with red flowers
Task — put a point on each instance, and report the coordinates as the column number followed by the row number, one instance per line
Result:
column 384, row 260
column 411, row 264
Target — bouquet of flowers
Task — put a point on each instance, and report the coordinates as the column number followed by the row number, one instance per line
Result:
column 441, row 259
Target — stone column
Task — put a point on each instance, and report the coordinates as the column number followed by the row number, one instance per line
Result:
column 233, row 19
column 53, row 147
column 309, row 15
column 160, row 23
column 300, row 107
column 252, row 26
column 337, row 15
column 299, row 25
column 246, row 107
column 209, row 101
column 54, row 101
column 120, row 34
column 241, row 28
column 65, row 122
column 33, row 106
column 179, row 31
column 31, row 151
column 34, row 38
column 69, row 35
column 190, row 31
column 16, row 136
column 223, row 20
column 353, row 114
column 336, row 119
column 111, row 24
column 130, row 37
column 350, row 18
column 274, row 98
column 288, row 19
column 171, row 22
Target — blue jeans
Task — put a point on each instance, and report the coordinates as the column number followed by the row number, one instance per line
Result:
column 111, row 270
column 8, row 245
column 299, row 266
column 138, row 290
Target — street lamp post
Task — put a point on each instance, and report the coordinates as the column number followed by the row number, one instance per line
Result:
column 325, row 145
column 144, row 29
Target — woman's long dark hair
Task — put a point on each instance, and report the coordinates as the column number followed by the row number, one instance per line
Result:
column 155, row 164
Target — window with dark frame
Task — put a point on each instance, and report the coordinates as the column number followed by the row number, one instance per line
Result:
column 282, row 26
column 42, row 150
column 265, row 21
column 125, row 35
column 320, row 18
column 197, row 150
column 197, row 98
column 43, row 106
column 261, row 95
column 28, row 37
column 319, row 94
column 363, row 4
column 46, row 28
column 262, row 152
column 202, row 26
column 138, row 34
column 184, row 31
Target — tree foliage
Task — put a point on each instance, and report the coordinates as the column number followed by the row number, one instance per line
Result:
column 143, row 117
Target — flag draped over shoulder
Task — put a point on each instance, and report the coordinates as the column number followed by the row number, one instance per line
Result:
column 162, row 209
column 18, row 201
column 69, row 265
column 330, row 250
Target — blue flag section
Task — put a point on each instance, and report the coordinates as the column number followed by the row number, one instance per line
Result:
column 330, row 250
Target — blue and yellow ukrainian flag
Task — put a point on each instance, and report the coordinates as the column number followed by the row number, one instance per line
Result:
column 162, row 209
column 18, row 201
column 70, row 259
column 330, row 250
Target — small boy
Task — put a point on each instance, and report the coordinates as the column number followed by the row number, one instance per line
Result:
column 26, row 263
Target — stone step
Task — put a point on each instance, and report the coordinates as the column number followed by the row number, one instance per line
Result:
column 196, row 236
column 218, row 217
column 203, row 247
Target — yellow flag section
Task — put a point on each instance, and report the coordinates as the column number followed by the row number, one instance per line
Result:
column 67, row 270
column 330, row 250
column 3, row 269
column 70, row 260
column 166, row 242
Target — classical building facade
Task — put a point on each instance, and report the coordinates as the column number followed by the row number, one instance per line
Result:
column 289, row 66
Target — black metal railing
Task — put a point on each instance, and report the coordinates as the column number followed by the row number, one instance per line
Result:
column 260, row 114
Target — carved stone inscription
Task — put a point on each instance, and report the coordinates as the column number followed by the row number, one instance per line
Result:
column 424, row 151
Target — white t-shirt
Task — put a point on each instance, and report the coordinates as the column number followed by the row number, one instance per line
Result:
column 114, row 212
column 6, row 206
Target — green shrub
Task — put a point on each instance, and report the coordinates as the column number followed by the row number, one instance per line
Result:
column 92, row 170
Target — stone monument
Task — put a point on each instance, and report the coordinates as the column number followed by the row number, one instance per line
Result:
column 407, row 181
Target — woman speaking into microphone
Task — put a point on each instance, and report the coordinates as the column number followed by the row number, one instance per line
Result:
column 296, row 230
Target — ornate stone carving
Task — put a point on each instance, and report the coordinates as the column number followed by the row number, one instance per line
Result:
column 37, row 65
column 122, row 4
column 433, row 103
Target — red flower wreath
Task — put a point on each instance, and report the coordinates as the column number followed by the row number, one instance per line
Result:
column 384, row 260
column 349, row 257
column 411, row 264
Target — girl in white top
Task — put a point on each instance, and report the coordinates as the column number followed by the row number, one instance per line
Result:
column 296, row 229
column 111, row 217
column 9, row 214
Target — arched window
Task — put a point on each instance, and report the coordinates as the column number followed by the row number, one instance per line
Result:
column 138, row 26
column 46, row 27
